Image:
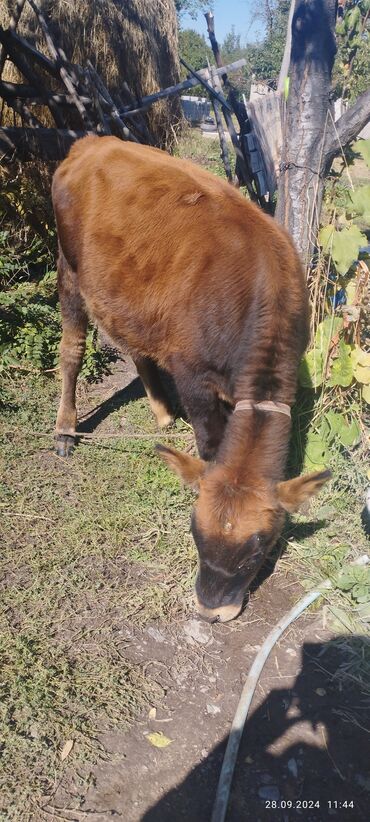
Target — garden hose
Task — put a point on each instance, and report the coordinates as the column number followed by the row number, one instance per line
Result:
column 228, row 765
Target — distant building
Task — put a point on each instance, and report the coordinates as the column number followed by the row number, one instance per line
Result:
column 196, row 109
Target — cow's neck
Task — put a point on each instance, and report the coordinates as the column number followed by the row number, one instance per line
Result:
column 255, row 446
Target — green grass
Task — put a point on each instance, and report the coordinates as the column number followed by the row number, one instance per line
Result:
column 330, row 538
column 205, row 151
column 95, row 546
column 99, row 545
column 90, row 546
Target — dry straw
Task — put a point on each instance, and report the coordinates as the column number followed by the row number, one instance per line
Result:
column 132, row 41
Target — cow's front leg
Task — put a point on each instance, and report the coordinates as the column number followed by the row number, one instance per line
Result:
column 72, row 347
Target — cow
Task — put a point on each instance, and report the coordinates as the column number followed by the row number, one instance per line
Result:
column 180, row 269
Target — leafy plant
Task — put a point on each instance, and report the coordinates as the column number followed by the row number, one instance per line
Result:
column 30, row 331
column 337, row 366
column 356, row 581
column 352, row 67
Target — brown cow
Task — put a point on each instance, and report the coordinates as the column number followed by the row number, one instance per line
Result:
column 179, row 267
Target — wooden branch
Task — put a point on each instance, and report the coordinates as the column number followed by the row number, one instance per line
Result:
column 13, row 43
column 221, row 134
column 211, row 91
column 241, row 168
column 59, row 57
column 12, row 25
column 210, row 20
column 21, row 91
column 141, row 126
column 17, row 51
column 111, row 108
column 347, row 128
column 138, row 106
column 222, row 70
column 103, row 125
column 22, row 109
column 145, row 102
column 14, row 20
column 44, row 143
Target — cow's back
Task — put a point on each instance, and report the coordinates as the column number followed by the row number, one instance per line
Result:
column 165, row 250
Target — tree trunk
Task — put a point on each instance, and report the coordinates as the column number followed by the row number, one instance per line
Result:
column 308, row 118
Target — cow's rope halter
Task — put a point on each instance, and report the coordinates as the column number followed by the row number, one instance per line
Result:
column 266, row 405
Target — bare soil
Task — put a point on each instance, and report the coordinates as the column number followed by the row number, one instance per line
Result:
column 304, row 753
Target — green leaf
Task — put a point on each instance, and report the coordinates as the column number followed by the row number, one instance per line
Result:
column 363, row 148
column 310, row 371
column 359, row 202
column 353, row 19
column 336, row 423
column 350, row 434
column 345, row 582
column 351, row 290
column 317, row 454
column 326, row 237
column 361, row 593
column 325, row 332
column 342, row 368
column 366, row 393
column 362, row 374
column 346, row 246
column 361, row 365
column 324, row 430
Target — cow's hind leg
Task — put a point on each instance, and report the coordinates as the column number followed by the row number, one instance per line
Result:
column 159, row 402
column 207, row 412
column 72, row 348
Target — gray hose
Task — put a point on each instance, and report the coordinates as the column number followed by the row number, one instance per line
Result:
column 228, row 765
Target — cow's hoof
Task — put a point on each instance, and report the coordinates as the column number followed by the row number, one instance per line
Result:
column 165, row 421
column 64, row 445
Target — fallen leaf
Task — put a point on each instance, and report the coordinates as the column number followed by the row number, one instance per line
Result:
column 159, row 740
column 66, row 750
column 152, row 713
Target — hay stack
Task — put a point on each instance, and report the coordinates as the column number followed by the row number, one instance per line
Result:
column 126, row 40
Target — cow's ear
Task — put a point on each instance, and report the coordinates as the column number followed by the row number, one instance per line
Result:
column 189, row 469
column 293, row 493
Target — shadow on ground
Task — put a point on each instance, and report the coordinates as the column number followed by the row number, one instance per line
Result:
column 304, row 751
column 133, row 391
column 300, row 531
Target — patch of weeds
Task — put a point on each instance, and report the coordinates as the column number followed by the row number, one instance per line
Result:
column 49, row 696
column 30, row 331
column 89, row 546
column 325, row 544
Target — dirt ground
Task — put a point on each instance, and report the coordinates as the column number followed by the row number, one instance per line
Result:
column 304, row 753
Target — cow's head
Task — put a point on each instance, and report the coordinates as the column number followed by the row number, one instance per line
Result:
column 234, row 527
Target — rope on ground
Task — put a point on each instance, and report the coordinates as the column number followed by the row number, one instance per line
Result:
column 81, row 435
